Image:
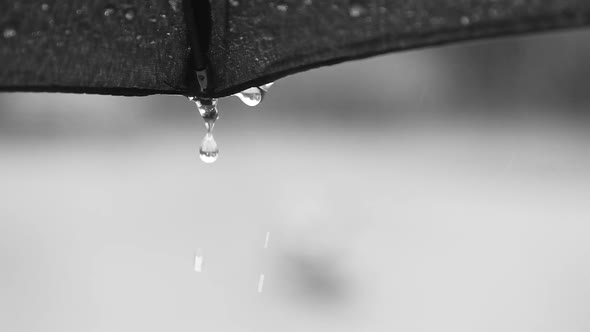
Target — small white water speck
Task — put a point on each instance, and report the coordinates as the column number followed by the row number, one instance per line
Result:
column 199, row 261
column 9, row 33
column 260, row 283
column 266, row 240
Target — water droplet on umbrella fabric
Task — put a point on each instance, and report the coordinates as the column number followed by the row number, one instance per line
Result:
column 282, row 8
column 109, row 10
column 209, row 150
column 9, row 33
column 175, row 5
column 356, row 10
column 129, row 14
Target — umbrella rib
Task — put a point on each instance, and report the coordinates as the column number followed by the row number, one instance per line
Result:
column 198, row 21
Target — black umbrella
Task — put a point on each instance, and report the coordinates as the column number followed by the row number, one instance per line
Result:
column 162, row 46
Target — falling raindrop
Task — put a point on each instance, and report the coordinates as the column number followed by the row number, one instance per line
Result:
column 260, row 283
column 109, row 10
column 234, row 3
column 9, row 33
column 307, row 2
column 199, row 260
column 153, row 19
column 129, row 14
column 266, row 240
column 44, row 7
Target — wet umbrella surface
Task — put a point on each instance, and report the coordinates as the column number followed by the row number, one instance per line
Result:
column 148, row 47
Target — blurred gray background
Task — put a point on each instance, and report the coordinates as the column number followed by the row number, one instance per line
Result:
column 435, row 190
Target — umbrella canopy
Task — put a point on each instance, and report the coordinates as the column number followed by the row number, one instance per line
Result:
column 148, row 47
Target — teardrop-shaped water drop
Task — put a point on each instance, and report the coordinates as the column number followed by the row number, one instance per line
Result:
column 251, row 97
column 209, row 150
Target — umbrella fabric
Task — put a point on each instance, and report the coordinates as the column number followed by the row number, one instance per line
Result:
column 142, row 47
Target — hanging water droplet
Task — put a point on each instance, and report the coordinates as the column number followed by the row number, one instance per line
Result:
column 209, row 150
column 108, row 10
column 251, row 96
column 8, row 33
column 44, row 7
column 208, row 110
column 129, row 14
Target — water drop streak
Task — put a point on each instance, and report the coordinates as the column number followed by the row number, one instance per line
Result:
column 199, row 261
column 260, row 283
column 266, row 240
